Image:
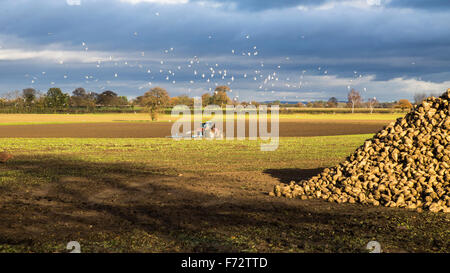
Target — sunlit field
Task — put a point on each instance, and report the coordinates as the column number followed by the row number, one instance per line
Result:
column 161, row 195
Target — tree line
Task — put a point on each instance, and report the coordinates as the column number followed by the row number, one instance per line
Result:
column 30, row 100
column 355, row 100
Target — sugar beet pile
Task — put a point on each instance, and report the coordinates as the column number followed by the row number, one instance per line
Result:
column 407, row 165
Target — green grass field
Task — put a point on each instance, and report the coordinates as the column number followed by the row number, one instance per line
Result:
column 162, row 195
column 172, row 157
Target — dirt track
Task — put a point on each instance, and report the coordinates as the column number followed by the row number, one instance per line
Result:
column 162, row 129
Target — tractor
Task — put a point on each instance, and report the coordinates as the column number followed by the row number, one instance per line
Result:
column 208, row 130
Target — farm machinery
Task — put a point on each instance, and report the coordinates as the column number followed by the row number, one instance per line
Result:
column 208, row 130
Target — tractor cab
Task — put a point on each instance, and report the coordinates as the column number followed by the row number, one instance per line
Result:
column 207, row 129
column 207, row 125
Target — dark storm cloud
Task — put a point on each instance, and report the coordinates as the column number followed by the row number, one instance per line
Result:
column 387, row 42
column 110, row 25
column 274, row 4
column 258, row 5
column 421, row 4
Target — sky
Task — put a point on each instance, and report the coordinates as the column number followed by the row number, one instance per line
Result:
column 292, row 50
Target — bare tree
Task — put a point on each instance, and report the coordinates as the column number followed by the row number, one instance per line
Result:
column 419, row 98
column 372, row 102
column 354, row 98
column 13, row 95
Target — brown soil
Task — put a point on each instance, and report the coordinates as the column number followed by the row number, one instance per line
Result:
column 197, row 213
column 162, row 129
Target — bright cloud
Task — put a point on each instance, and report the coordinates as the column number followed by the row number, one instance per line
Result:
column 59, row 56
column 73, row 2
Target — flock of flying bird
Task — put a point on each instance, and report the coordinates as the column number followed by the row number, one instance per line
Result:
column 195, row 73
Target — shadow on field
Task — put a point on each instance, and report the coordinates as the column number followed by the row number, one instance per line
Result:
column 125, row 207
column 292, row 174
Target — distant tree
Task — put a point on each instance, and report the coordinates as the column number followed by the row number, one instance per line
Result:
column 80, row 92
column 55, row 98
column 173, row 101
column 40, row 101
column 181, row 100
column 13, row 95
column 404, row 104
column 419, row 98
column 206, row 99
column 154, row 100
column 122, row 101
column 309, row 104
column 332, row 102
column 185, row 100
column 354, row 99
column 255, row 103
column 29, row 95
column 80, row 98
column 220, row 96
column 319, row 104
column 371, row 103
column 107, row 98
column 222, row 88
column 388, row 105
